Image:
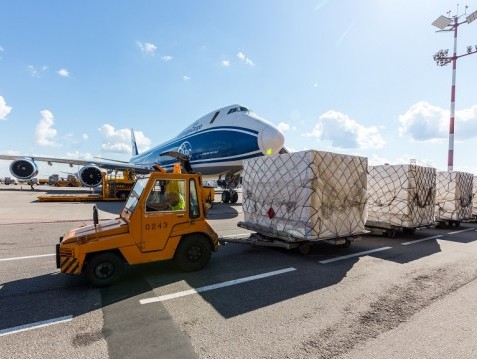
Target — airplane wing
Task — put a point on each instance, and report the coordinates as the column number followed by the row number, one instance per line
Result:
column 102, row 163
column 25, row 167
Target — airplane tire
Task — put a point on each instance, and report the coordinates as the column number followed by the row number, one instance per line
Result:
column 234, row 197
column 226, row 196
column 104, row 269
column 193, row 253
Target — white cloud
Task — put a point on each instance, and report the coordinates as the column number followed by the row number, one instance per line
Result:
column 426, row 122
column 63, row 73
column 344, row 132
column 282, row 126
column 1, row 50
column 85, row 136
column 147, row 48
column 186, row 78
column 225, row 63
column 45, row 133
column 4, row 109
column 120, row 140
column 241, row 56
column 166, row 58
column 36, row 71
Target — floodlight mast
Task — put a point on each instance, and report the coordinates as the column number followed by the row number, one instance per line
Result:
column 441, row 57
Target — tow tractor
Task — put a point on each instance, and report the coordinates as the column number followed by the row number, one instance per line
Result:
column 114, row 188
column 163, row 219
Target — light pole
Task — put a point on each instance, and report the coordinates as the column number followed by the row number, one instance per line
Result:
column 446, row 23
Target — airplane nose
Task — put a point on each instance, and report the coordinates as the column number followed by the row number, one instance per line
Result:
column 271, row 140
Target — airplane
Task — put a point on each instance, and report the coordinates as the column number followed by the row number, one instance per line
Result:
column 216, row 144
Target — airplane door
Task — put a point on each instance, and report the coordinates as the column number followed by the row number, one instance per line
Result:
column 165, row 207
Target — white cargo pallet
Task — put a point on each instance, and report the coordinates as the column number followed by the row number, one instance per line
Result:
column 401, row 198
column 453, row 197
column 305, row 196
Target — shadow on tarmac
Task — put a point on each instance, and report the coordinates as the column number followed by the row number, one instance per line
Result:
column 55, row 295
column 224, row 210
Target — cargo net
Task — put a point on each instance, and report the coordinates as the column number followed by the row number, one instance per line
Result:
column 454, row 196
column 306, row 195
column 401, row 196
column 474, row 197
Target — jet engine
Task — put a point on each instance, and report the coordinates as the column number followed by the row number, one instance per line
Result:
column 90, row 176
column 24, row 168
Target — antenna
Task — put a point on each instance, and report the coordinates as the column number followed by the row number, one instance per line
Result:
column 442, row 58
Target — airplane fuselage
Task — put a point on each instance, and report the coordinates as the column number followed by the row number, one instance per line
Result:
column 218, row 142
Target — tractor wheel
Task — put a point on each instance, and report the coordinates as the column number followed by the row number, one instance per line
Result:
column 193, row 253
column 104, row 269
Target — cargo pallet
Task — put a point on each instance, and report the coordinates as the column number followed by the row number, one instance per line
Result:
column 390, row 230
column 270, row 238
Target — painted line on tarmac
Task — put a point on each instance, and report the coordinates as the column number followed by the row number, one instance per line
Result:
column 44, row 323
column 421, row 240
column 464, row 230
column 27, row 257
column 326, row 261
column 184, row 293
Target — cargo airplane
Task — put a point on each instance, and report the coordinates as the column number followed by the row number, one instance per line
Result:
column 216, row 144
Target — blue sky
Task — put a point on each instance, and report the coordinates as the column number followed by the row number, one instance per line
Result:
column 345, row 76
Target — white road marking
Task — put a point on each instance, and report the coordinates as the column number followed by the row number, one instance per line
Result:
column 214, row 286
column 421, row 240
column 44, row 323
column 27, row 257
column 464, row 230
column 326, row 261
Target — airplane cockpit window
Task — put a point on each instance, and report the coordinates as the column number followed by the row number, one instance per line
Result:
column 214, row 117
column 238, row 109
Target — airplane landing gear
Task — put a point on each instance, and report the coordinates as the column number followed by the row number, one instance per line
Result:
column 229, row 196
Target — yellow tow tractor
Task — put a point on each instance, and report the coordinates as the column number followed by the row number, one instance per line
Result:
column 163, row 219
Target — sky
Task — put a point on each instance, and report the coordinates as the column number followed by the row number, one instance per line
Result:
column 346, row 76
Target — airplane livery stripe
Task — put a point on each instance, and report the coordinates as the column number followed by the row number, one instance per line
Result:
column 209, row 144
column 225, row 129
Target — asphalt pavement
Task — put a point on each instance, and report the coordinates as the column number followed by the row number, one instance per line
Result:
column 412, row 296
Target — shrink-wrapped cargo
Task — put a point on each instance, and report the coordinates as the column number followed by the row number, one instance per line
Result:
column 453, row 196
column 401, row 196
column 474, row 197
column 308, row 195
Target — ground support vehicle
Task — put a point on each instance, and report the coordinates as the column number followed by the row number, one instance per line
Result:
column 390, row 230
column 264, row 237
column 163, row 219
column 113, row 189
column 9, row 180
column 70, row 181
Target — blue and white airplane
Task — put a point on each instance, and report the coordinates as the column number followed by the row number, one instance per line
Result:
column 216, row 144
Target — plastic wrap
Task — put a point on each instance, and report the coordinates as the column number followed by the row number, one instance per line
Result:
column 453, row 196
column 401, row 195
column 307, row 195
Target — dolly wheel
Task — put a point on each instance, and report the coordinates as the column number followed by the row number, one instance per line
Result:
column 346, row 244
column 391, row 233
column 304, row 249
column 104, row 269
column 193, row 253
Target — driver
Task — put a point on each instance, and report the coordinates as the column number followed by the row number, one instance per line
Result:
column 170, row 201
